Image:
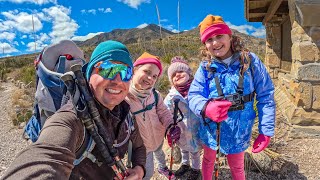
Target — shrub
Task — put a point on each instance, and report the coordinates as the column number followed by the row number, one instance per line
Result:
column 27, row 74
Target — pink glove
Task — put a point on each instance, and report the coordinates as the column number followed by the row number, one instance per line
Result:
column 260, row 143
column 174, row 134
column 217, row 111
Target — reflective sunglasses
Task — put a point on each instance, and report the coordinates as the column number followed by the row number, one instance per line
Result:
column 109, row 70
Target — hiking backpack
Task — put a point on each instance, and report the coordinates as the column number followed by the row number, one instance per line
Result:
column 50, row 95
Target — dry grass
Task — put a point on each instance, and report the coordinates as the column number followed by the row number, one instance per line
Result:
column 19, row 99
column 22, row 107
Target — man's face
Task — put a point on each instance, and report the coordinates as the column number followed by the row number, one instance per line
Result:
column 109, row 93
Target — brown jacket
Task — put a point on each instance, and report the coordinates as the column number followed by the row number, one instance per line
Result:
column 52, row 156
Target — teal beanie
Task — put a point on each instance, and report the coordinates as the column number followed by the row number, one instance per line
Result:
column 108, row 51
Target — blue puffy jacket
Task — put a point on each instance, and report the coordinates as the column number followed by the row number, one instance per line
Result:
column 236, row 130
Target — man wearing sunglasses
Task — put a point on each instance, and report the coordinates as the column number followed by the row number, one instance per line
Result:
column 108, row 74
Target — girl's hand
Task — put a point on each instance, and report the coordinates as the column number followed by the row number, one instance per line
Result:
column 260, row 143
column 173, row 135
column 217, row 110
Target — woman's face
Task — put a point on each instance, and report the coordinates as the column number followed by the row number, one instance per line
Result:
column 145, row 76
column 219, row 46
column 180, row 78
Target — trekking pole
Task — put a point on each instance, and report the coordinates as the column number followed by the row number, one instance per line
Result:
column 94, row 112
column 175, row 117
column 84, row 116
column 217, row 163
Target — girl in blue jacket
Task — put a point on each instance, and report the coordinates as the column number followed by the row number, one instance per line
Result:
column 223, row 92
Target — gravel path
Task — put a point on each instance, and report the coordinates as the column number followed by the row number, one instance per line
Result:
column 11, row 141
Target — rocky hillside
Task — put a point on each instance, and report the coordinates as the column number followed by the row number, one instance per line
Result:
column 128, row 36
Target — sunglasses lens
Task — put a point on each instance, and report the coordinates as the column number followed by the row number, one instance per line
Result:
column 109, row 71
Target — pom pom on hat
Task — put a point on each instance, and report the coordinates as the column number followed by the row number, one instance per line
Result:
column 108, row 51
column 178, row 64
column 147, row 58
column 212, row 25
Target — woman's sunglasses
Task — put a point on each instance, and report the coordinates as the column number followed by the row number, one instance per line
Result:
column 108, row 70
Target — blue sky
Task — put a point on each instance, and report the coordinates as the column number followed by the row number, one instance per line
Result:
column 55, row 20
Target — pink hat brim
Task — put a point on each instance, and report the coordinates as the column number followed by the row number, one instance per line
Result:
column 149, row 61
column 214, row 30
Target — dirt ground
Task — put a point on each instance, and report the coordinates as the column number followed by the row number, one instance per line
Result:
column 296, row 149
column 297, row 158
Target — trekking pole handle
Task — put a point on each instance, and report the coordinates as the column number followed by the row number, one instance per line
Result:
column 175, row 111
column 68, row 80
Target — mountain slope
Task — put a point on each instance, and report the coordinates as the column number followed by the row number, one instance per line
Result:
column 128, row 36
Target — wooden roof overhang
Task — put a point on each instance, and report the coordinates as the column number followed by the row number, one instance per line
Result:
column 265, row 10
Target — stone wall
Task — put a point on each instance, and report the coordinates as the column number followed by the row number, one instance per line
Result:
column 302, row 84
column 273, row 48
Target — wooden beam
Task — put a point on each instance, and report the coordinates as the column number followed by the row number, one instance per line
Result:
column 272, row 10
column 256, row 19
column 259, row 10
column 247, row 7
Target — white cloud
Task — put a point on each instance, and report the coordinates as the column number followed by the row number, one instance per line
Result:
column 242, row 28
column 142, row 25
column 175, row 31
column 134, row 3
column 92, row 11
column 22, row 43
column 7, row 48
column 40, row 2
column 248, row 29
column 171, row 28
column 163, row 20
column 63, row 26
column 260, row 32
column 83, row 11
column 43, row 17
column 43, row 37
column 108, row 10
column 24, row 36
column 9, row 36
column 39, row 46
column 3, row 27
column 16, row 43
column 21, row 21
column 83, row 38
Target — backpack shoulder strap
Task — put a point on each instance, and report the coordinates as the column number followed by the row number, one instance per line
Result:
column 156, row 96
column 85, row 150
column 149, row 106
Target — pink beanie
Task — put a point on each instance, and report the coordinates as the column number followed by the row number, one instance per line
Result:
column 213, row 25
column 147, row 58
